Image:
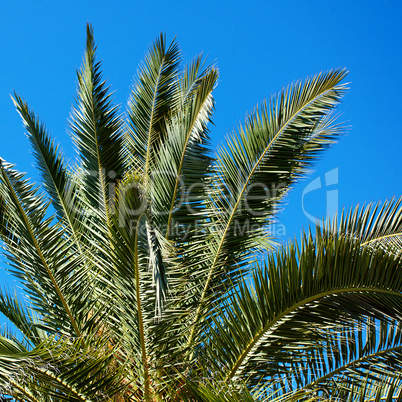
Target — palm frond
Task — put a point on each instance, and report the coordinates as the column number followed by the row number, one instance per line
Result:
column 96, row 131
column 270, row 324
column 23, row 318
column 60, row 369
column 151, row 100
column 55, row 175
column 38, row 252
column 181, row 168
column 148, row 269
column 376, row 225
column 257, row 167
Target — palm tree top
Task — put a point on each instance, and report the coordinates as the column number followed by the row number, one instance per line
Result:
column 141, row 262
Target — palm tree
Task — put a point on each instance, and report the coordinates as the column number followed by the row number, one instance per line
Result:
column 148, row 269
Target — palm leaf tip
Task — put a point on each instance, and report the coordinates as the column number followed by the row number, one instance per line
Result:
column 49, row 160
column 151, row 100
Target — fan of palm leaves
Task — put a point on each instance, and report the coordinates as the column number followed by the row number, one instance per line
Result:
column 141, row 264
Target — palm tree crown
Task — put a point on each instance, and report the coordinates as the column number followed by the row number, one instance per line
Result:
column 148, row 268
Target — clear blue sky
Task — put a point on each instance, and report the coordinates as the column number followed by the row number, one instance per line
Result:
column 259, row 47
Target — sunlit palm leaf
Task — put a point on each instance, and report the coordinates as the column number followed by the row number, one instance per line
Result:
column 35, row 249
column 274, row 326
column 56, row 177
column 23, row 318
column 96, row 128
column 256, row 169
column 375, row 225
column 151, row 100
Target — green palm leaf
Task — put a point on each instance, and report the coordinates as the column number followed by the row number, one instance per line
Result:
column 148, row 268
column 96, row 129
column 150, row 101
column 182, row 163
column 375, row 225
column 56, row 177
column 31, row 244
column 23, row 318
column 256, row 168
column 302, row 311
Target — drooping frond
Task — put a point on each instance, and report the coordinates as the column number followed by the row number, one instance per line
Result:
column 60, row 369
column 55, row 175
column 23, row 318
column 303, row 316
column 256, row 168
column 365, row 348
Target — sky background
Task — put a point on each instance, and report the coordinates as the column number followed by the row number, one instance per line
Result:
column 258, row 46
